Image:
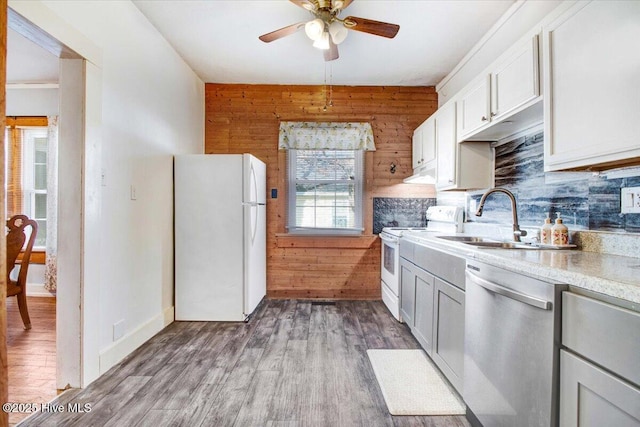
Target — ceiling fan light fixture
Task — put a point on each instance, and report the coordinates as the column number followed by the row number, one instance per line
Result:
column 322, row 42
column 314, row 29
column 338, row 32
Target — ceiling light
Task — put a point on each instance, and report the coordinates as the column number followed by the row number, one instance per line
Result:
column 322, row 42
column 338, row 32
column 314, row 29
column 310, row 7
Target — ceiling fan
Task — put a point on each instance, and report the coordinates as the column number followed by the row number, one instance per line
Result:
column 327, row 30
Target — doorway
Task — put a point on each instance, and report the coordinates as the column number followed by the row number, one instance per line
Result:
column 76, row 360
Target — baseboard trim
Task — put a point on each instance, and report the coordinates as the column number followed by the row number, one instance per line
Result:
column 38, row 290
column 120, row 349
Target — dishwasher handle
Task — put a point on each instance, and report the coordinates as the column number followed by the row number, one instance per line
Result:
column 509, row 293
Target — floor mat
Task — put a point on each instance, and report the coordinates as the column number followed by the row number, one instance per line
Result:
column 412, row 385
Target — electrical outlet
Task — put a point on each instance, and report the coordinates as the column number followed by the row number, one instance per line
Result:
column 630, row 200
column 118, row 330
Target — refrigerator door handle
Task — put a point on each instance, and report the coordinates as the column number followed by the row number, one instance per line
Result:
column 254, row 187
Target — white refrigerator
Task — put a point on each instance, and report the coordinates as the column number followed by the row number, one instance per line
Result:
column 220, row 236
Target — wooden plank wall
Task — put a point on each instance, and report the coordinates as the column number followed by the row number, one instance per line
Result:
column 245, row 119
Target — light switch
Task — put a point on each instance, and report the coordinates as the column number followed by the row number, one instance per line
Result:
column 134, row 196
column 630, row 200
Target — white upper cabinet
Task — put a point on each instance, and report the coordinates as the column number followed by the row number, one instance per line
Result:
column 515, row 81
column 592, row 86
column 446, row 145
column 473, row 107
column 509, row 88
column 460, row 166
column 424, row 144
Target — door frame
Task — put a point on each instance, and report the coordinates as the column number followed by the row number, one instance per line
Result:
column 79, row 188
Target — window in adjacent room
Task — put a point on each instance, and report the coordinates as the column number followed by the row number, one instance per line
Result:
column 26, row 176
column 325, row 191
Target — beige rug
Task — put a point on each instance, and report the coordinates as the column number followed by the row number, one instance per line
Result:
column 412, row 385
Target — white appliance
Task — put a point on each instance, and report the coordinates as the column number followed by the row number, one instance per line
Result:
column 444, row 219
column 220, row 236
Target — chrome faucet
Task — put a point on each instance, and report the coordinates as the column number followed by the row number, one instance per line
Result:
column 516, row 228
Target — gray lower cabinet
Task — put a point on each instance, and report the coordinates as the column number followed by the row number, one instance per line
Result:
column 407, row 292
column 448, row 331
column 423, row 328
column 599, row 375
column 592, row 397
column 416, row 302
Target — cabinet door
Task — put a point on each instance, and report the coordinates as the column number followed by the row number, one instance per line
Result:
column 473, row 108
column 429, row 141
column 592, row 397
column 423, row 325
column 407, row 292
column 448, row 331
column 416, row 154
column 591, row 102
column 446, row 146
column 515, row 81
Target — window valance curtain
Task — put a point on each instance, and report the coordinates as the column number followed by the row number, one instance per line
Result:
column 326, row 136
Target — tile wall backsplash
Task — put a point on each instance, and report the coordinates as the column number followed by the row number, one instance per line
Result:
column 586, row 200
column 399, row 212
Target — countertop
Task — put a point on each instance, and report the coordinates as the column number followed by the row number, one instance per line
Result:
column 610, row 275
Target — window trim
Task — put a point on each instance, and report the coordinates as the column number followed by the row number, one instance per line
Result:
column 357, row 230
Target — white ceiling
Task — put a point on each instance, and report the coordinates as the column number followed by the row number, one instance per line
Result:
column 29, row 63
column 219, row 40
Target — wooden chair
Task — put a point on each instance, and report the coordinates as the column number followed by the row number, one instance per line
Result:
column 15, row 242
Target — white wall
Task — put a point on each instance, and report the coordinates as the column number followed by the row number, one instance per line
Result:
column 32, row 102
column 519, row 19
column 152, row 108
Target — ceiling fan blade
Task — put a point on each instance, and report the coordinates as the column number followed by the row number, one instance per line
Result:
column 331, row 54
column 282, row 32
column 305, row 4
column 370, row 26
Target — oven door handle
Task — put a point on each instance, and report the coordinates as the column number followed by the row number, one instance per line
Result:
column 388, row 239
column 501, row 290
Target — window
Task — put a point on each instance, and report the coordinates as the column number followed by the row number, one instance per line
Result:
column 26, row 176
column 34, row 178
column 325, row 191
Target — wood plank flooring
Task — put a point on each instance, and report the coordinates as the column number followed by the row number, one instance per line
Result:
column 31, row 354
column 296, row 363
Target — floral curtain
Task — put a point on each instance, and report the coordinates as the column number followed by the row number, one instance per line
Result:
column 325, row 136
column 51, row 271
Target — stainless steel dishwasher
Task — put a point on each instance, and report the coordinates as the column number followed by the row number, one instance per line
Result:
column 512, row 334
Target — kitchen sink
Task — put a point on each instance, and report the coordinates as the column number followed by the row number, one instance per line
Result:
column 468, row 239
column 483, row 242
column 502, row 245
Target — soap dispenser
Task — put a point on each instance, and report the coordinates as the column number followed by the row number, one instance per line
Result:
column 545, row 231
column 559, row 233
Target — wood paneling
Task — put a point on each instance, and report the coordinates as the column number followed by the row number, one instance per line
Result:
column 245, row 119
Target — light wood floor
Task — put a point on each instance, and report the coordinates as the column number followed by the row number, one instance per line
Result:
column 31, row 354
column 296, row 363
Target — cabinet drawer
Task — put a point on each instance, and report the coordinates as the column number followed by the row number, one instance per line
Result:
column 606, row 334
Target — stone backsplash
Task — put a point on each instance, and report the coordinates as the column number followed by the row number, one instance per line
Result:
column 400, row 212
column 587, row 201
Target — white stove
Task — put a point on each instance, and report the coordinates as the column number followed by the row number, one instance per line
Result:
column 445, row 219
